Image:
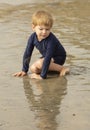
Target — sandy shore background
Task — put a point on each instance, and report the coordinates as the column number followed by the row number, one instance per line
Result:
column 52, row 104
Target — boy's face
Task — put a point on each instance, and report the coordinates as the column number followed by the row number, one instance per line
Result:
column 41, row 31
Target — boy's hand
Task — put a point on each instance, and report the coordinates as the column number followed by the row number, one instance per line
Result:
column 20, row 74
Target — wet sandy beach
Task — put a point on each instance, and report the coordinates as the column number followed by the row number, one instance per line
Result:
column 57, row 103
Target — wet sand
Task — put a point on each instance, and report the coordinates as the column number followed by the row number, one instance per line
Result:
column 58, row 103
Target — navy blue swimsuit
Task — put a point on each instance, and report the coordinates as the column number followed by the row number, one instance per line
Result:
column 49, row 48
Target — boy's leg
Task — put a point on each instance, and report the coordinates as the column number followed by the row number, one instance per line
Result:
column 59, row 68
column 37, row 66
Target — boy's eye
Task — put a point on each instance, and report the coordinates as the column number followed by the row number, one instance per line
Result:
column 40, row 29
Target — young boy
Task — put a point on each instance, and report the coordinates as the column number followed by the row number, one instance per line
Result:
column 53, row 54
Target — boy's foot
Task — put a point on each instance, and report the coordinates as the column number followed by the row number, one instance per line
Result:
column 64, row 71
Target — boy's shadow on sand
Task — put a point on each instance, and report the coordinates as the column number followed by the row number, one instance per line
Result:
column 44, row 98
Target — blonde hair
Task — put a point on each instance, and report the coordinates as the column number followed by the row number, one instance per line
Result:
column 42, row 18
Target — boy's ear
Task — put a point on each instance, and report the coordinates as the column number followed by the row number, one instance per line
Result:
column 33, row 26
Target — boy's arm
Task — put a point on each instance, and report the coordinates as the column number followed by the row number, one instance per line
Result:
column 27, row 55
column 49, row 54
column 26, row 58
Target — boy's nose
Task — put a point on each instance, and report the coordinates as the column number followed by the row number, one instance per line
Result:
column 44, row 31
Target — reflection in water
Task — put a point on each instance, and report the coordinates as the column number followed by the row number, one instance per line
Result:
column 44, row 98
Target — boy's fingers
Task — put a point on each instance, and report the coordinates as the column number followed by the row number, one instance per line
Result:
column 23, row 74
column 19, row 74
column 64, row 71
column 15, row 74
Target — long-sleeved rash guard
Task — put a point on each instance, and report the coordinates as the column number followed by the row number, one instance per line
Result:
column 49, row 48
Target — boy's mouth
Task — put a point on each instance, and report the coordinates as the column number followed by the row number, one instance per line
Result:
column 44, row 35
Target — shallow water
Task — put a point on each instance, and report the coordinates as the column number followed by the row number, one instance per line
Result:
column 52, row 104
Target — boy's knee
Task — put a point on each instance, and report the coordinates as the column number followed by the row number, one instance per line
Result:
column 32, row 68
column 36, row 67
column 39, row 63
